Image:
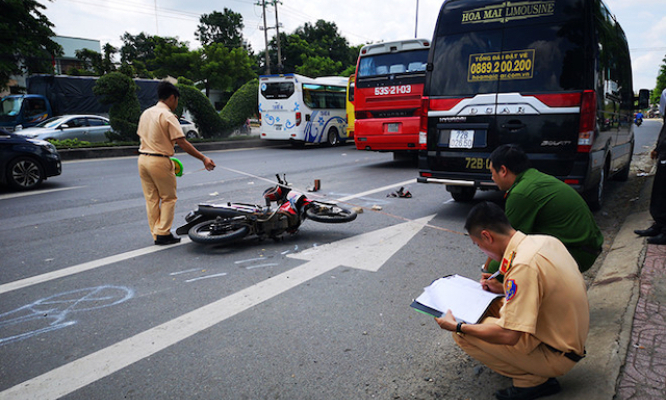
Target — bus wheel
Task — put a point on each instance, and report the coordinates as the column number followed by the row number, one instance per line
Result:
column 332, row 138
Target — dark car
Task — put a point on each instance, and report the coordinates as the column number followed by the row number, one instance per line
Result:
column 25, row 163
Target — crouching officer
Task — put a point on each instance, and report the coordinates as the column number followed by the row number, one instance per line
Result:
column 538, row 330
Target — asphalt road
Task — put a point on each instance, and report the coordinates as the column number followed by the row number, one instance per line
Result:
column 91, row 309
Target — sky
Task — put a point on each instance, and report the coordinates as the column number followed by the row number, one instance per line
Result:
column 360, row 22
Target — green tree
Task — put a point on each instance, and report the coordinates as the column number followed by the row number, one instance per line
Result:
column 321, row 41
column 26, row 44
column 91, row 63
column 319, row 66
column 661, row 83
column 119, row 90
column 204, row 115
column 172, row 60
column 223, row 28
column 221, row 68
column 141, row 51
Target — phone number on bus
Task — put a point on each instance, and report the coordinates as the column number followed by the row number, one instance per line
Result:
column 387, row 90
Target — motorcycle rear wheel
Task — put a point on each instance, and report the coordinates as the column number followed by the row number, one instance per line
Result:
column 329, row 213
column 217, row 232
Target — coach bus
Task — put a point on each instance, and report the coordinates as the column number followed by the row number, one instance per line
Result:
column 303, row 110
column 350, row 107
column 387, row 98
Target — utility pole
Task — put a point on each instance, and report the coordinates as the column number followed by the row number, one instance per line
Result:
column 416, row 24
column 268, row 58
column 277, row 32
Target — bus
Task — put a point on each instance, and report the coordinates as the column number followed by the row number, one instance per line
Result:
column 303, row 110
column 387, row 98
column 350, row 107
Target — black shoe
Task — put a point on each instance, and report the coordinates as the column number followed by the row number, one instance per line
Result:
column 654, row 230
column 551, row 386
column 659, row 239
column 163, row 240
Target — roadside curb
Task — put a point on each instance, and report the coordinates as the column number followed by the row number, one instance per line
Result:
column 127, row 151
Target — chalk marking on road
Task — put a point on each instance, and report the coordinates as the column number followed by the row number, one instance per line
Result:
column 22, row 283
column 35, row 192
column 33, row 280
column 206, row 277
column 367, row 251
column 54, row 312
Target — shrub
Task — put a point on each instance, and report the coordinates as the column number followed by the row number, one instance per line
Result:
column 242, row 105
column 204, row 115
column 119, row 90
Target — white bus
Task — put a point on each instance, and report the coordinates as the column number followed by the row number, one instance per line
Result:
column 303, row 110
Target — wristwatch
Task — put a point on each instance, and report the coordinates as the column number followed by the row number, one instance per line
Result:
column 459, row 327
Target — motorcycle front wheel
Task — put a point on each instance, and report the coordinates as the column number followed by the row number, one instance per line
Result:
column 329, row 213
column 217, row 232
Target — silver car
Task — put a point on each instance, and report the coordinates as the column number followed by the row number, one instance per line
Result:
column 189, row 129
column 85, row 128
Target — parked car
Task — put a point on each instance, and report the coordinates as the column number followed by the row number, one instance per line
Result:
column 25, row 163
column 189, row 129
column 88, row 128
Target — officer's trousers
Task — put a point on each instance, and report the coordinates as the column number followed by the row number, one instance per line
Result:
column 159, row 188
column 527, row 369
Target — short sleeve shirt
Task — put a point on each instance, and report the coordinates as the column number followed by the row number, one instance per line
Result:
column 545, row 294
column 158, row 130
column 542, row 204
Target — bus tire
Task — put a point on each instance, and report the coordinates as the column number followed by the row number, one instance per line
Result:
column 332, row 138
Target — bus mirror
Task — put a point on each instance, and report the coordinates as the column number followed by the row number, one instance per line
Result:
column 643, row 99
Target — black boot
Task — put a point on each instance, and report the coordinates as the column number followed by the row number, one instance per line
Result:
column 551, row 386
column 162, row 240
column 659, row 239
column 654, row 230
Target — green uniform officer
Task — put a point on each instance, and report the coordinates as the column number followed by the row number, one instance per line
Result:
column 537, row 203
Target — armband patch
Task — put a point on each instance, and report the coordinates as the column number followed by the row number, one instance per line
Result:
column 510, row 288
column 507, row 263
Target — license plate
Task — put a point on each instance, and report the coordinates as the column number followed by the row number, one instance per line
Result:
column 393, row 128
column 278, row 127
column 461, row 139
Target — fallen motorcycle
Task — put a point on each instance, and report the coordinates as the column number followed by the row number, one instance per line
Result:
column 213, row 223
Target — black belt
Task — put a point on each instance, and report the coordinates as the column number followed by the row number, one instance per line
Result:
column 154, row 155
column 570, row 355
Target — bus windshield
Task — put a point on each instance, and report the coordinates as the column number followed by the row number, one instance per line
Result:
column 277, row 90
column 393, row 63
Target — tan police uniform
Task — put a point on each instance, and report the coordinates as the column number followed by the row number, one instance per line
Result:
column 546, row 299
column 158, row 129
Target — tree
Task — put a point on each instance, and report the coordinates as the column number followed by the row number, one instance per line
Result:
column 221, row 68
column 140, row 52
column 321, row 41
column 223, row 28
column 661, row 83
column 319, row 66
column 172, row 60
column 26, row 44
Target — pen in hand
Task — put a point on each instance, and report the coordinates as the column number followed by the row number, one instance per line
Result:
column 493, row 276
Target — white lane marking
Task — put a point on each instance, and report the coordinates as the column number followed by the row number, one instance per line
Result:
column 187, row 271
column 36, row 192
column 378, row 247
column 22, row 283
column 8, row 287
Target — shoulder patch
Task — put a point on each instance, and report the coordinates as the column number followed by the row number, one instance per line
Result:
column 507, row 263
column 510, row 288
